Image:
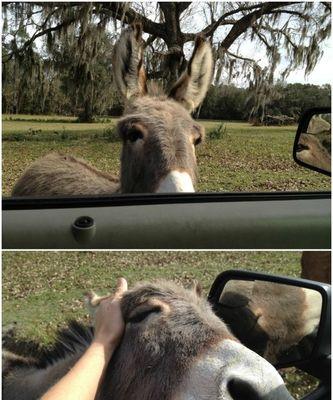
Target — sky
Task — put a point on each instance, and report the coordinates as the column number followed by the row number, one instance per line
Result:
column 322, row 72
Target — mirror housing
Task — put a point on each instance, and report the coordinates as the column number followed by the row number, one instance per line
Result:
column 311, row 149
column 317, row 361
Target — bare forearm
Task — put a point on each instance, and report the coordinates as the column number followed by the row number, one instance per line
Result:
column 82, row 381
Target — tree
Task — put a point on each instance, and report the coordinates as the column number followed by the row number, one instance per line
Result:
column 230, row 102
column 291, row 30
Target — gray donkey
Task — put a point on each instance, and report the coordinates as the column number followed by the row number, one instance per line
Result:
column 174, row 348
column 157, row 131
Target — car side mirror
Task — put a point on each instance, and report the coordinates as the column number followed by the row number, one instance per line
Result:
column 285, row 320
column 312, row 147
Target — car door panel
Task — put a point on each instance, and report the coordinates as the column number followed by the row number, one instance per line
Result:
column 242, row 221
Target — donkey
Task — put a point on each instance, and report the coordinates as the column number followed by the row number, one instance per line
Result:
column 174, row 347
column 271, row 319
column 312, row 151
column 157, row 131
column 316, row 266
column 318, row 125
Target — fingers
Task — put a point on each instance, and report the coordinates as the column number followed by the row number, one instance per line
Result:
column 121, row 288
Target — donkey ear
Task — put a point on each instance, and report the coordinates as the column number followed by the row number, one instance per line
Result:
column 192, row 86
column 128, row 70
column 196, row 287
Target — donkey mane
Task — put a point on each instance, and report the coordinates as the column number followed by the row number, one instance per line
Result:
column 75, row 336
column 73, row 339
column 70, row 340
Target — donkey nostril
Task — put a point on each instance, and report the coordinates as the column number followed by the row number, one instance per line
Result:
column 242, row 390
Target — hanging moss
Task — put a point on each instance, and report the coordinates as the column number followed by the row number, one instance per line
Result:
column 78, row 44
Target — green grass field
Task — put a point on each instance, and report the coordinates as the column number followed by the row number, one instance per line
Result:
column 243, row 158
column 41, row 290
column 50, row 284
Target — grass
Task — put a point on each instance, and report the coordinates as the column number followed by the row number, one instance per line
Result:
column 60, row 278
column 48, row 118
column 243, row 158
column 23, row 131
column 29, row 117
column 42, row 290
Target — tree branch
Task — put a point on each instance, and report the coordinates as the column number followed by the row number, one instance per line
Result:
column 240, row 57
column 269, row 29
column 119, row 11
column 327, row 5
column 210, row 29
column 182, row 6
column 188, row 37
column 41, row 33
column 244, row 23
column 261, row 37
column 291, row 12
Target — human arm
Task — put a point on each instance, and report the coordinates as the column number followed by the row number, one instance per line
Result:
column 82, row 381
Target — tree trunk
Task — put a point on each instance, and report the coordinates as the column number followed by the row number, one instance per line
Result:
column 87, row 114
column 175, row 61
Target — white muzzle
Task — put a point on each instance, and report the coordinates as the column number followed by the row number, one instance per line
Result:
column 175, row 182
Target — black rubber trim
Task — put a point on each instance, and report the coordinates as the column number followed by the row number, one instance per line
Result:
column 322, row 392
column 29, row 203
column 302, row 126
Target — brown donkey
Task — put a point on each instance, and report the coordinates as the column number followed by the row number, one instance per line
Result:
column 174, row 348
column 271, row 319
column 311, row 151
column 158, row 133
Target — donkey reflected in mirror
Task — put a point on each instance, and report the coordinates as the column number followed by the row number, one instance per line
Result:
column 157, row 131
column 311, row 150
column 174, row 348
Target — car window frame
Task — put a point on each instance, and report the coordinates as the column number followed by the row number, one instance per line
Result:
column 25, row 203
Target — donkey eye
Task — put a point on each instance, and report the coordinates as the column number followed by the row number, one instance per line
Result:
column 134, row 134
column 197, row 134
column 141, row 315
column 301, row 147
column 197, row 140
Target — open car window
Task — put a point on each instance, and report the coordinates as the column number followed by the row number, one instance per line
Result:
column 244, row 158
column 202, row 121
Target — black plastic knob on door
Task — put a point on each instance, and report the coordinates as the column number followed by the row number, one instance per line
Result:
column 84, row 229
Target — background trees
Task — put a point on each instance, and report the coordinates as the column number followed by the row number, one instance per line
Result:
column 230, row 102
column 56, row 56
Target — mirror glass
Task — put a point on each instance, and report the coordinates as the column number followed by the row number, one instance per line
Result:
column 314, row 145
column 279, row 322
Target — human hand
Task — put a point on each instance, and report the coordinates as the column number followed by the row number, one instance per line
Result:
column 109, row 322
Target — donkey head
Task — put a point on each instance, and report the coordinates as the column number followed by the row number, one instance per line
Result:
column 175, row 347
column 312, row 151
column 159, row 135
